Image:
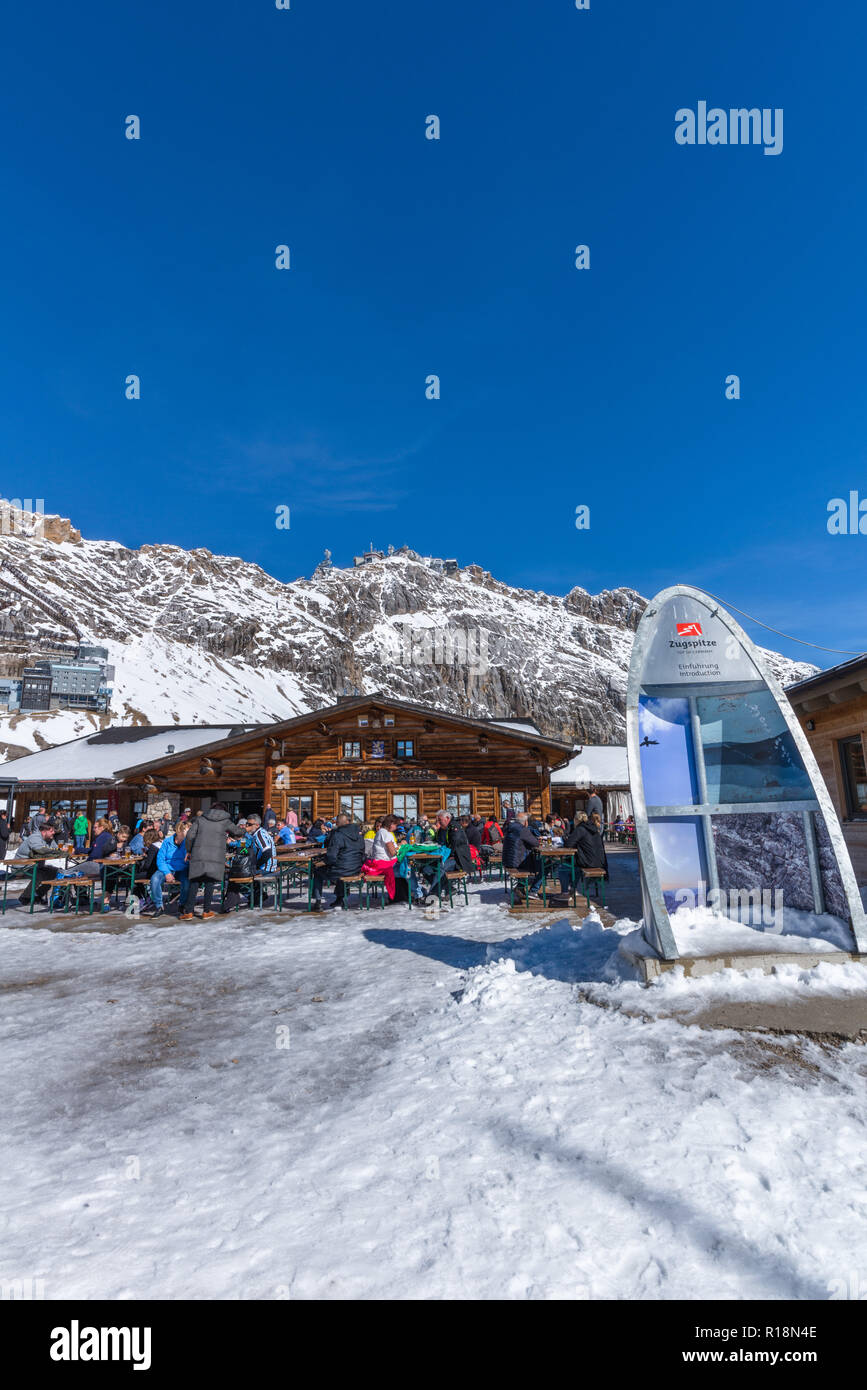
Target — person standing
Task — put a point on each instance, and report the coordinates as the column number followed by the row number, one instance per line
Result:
column 269, row 817
column 5, row 830
column 206, row 844
column 79, row 830
column 594, row 803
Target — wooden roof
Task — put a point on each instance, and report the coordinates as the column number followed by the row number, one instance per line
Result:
column 357, row 705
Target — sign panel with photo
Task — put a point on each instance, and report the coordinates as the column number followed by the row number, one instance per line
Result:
column 731, row 810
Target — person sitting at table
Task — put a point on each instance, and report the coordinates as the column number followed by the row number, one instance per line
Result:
column 491, row 833
column 147, row 868
column 317, row 833
column 260, row 849
column 450, row 833
column 170, row 867
column 103, row 847
column 344, row 854
column 36, row 843
column 111, row 877
column 424, row 831
column 384, row 843
column 135, row 844
column 554, row 831
column 586, row 840
column 285, row 834
column 473, row 829
column 519, row 849
column 39, row 844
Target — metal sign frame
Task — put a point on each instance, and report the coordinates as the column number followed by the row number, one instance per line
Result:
column 656, row 917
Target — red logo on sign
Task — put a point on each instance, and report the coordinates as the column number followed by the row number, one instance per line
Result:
column 689, row 629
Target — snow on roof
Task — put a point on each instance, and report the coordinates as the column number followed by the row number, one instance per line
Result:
column 526, row 724
column 600, row 765
column 106, row 754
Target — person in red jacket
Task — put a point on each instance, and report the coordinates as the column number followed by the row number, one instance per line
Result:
column 491, row 832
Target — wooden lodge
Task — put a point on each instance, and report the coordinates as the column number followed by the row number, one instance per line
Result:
column 367, row 755
column 87, row 774
column 832, row 709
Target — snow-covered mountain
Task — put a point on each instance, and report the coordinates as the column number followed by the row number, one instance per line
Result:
column 197, row 637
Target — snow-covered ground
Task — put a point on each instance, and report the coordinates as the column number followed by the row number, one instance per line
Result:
column 377, row 1105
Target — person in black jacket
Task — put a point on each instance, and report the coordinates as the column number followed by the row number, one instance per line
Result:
column 589, row 848
column 519, row 849
column 450, row 833
column 473, row 829
column 5, row 828
column 344, row 854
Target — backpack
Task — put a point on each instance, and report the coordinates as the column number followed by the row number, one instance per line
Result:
column 242, row 866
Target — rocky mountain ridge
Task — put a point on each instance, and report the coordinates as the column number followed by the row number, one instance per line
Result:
column 203, row 638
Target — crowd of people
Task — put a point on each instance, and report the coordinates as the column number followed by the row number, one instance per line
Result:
column 419, row 851
column 182, row 859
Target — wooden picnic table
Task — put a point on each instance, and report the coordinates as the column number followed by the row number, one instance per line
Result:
column 290, row 855
column 425, row 854
column 554, row 852
column 124, row 866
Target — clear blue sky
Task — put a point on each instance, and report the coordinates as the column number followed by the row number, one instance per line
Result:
column 410, row 257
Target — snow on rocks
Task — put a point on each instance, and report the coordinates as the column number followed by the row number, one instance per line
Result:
column 211, row 638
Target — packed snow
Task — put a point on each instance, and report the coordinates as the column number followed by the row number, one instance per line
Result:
column 700, row 931
column 378, row 1105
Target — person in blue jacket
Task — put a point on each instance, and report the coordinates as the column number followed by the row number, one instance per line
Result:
column 171, row 867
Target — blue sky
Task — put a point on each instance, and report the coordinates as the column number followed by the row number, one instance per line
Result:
column 409, row 257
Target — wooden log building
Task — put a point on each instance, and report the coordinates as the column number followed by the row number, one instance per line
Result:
column 367, row 755
column 832, row 709
column 86, row 774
